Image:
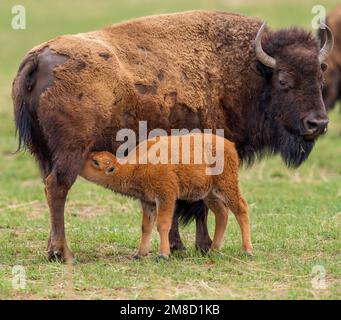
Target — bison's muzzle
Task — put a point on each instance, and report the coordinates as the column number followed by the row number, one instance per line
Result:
column 314, row 126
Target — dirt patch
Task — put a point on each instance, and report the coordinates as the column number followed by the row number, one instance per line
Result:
column 86, row 211
column 37, row 210
column 31, row 183
column 33, row 209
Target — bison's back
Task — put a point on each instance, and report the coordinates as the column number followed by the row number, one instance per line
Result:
column 166, row 69
column 171, row 59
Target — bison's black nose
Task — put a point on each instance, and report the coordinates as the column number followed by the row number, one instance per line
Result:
column 315, row 125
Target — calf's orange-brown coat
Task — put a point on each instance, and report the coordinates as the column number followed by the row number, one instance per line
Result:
column 159, row 185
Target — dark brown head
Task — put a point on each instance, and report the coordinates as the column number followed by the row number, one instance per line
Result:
column 293, row 65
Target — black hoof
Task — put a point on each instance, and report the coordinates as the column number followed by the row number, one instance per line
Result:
column 59, row 256
column 55, row 256
column 177, row 246
column 204, row 247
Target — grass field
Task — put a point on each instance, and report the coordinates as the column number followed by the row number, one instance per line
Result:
column 295, row 214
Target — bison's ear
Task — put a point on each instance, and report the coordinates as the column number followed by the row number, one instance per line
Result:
column 324, row 66
column 264, row 71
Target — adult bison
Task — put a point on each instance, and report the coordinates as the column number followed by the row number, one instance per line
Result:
column 185, row 70
column 332, row 87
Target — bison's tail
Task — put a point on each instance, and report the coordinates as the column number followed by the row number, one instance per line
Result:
column 24, row 113
column 25, row 110
column 188, row 211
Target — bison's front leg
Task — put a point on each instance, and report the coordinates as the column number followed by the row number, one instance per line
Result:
column 200, row 212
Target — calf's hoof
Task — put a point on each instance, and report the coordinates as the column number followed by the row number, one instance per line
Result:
column 138, row 255
column 162, row 257
column 248, row 254
column 214, row 252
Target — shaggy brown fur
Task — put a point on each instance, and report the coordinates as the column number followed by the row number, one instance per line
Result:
column 332, row 86
column 158, row 186
column 185, row 70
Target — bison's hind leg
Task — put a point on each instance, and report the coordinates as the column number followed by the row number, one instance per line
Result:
column 64, row 172
column 174, row 235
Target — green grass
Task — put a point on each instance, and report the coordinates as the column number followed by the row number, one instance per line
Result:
column 295, row 214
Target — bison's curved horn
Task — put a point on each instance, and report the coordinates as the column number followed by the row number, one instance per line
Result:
column 262, row 56
column 328, row 45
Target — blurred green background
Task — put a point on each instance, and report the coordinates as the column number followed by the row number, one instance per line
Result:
column 295, row 214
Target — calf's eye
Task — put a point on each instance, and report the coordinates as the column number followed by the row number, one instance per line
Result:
column 95, row 163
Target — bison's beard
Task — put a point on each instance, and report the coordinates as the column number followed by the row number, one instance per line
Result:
column 293, row 148
column 275, row 139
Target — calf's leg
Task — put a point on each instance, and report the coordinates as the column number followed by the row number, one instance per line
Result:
column 239, row 207
column 221, row 217
column 148, row 220
column 164, row 218
column 242, row 216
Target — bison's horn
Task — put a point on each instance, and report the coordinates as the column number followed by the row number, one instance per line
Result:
column 328, row 45
column 260, row 54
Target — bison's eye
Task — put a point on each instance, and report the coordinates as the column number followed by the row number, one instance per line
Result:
column 283, row 85
column 95, row 163
column 285, row 80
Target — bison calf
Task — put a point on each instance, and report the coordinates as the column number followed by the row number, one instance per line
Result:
column 159, row 185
